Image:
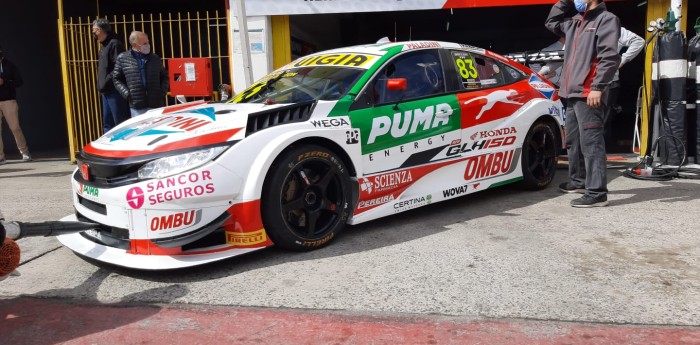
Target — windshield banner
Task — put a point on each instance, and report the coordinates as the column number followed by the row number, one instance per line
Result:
column 346, row 60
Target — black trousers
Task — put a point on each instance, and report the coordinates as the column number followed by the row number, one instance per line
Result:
column 586, row 146
column 610, row 101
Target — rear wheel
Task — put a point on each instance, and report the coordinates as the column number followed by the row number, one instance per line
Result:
column 306, row 197
column 539, row 159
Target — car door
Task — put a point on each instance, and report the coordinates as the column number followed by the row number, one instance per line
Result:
column 488, row 97
column 406, row 116
column 405, row 113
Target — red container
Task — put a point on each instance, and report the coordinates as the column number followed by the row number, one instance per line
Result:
column 190, row 77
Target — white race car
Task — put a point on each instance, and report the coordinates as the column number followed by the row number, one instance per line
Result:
column 338, row 137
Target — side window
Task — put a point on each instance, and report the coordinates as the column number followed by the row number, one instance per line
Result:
column 490, row 72
column 423, row 73
column 513, row 75
column 479, row 72
column 466, row 68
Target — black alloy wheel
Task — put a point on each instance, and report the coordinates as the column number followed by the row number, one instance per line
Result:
column 539, row 159
column 305, row 199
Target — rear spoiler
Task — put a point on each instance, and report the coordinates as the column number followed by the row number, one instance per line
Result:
column 527, row 58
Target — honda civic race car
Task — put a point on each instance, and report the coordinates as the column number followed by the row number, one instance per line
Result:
column 335, row 138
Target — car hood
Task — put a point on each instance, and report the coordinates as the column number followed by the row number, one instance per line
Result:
column 176, row 127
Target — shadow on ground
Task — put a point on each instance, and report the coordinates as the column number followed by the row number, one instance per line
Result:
column 425, row 221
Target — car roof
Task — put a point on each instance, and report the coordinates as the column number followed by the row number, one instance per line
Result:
column 383, row 48
column 393, row 48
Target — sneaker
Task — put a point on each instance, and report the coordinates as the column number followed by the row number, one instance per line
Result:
column 3, row 161
column 567, row 187
column 26, row 158
column 590, row 201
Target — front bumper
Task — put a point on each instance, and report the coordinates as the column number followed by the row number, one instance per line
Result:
column 120, row 257
column 179, row 221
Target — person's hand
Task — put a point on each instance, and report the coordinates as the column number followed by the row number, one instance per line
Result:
column 594, row 98
column 548, row 75
column 2, row 82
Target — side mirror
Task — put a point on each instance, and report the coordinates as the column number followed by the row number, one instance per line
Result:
column 396, row 84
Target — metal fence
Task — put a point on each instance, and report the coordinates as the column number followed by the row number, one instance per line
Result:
column 172, row 35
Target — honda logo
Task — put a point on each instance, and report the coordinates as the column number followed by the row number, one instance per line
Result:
column 85, row 171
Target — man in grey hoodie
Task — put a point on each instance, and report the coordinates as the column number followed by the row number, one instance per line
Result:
column 590, row 62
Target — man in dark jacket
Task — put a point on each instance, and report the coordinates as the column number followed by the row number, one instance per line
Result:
column 9, row 110
column 139, row 76
column 590, row 63
column 114, row 107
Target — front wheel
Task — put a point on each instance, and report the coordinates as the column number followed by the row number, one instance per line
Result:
column 306, row 197
column 539, row 159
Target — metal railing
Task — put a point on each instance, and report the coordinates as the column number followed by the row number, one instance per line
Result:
column 172, row 35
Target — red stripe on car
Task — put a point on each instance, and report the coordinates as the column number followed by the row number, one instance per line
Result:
column 174, row 108
column 207, row 139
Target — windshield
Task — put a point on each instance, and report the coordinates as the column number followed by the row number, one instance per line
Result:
column 301, row 84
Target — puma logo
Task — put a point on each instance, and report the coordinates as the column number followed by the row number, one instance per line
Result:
column 491, row 99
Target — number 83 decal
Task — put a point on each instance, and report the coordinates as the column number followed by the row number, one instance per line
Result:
column 466, row 68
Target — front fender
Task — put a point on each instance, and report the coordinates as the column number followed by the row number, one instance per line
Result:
column 264, row 147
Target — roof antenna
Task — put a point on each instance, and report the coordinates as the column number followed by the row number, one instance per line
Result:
column 448, row 21
column 384, row 40
column 395, row 32
column 409, row 33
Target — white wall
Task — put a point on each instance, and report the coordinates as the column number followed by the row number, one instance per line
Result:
column 260, row 32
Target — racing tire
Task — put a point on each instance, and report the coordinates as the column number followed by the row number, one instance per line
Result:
column 306, row 198
column 539, row 157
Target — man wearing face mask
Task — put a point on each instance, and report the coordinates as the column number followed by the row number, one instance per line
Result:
column 9, row 110
column 115, row 110
column 139, row 76
column 590, row 62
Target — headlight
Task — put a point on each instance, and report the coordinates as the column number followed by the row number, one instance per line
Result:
column 173, row 165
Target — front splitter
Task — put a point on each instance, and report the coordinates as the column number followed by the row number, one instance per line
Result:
column 120, row 257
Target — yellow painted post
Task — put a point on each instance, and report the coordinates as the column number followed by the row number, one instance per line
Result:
column 170, row 25
column 179, row 32
column 76, row 106
column 229, row 36
column 684, row 18
column 189, row 33
column 199, row 36
column 655, row 9
column 66, row 85
column 126, row 33
column 281, row 41
column 210, row 48
column 93, row 94
column 84, row 111
column 162, row 38
column 218, row 43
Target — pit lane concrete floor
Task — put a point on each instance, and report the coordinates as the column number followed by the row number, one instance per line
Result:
column 503, row 266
